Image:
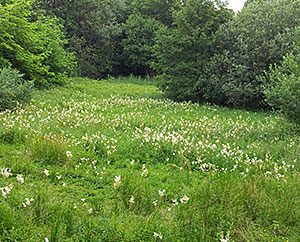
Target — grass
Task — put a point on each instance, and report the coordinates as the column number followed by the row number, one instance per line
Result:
column 115, row 161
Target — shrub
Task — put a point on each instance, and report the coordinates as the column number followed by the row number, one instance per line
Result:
column 284, row 90
column 13, row 89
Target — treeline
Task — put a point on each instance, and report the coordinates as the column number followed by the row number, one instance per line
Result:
column 198, row 50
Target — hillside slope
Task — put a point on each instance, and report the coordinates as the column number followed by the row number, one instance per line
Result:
column 115, row 161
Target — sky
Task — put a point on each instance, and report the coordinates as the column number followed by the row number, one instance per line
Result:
column 236, row 5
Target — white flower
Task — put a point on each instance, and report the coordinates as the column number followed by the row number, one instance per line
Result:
column 155, row 203
column 184, row 199
column 117, row 182
column 90, row 211
column 58, row 177
column 20, row 178
column 46, row 239
column 6, row 190
column 132, row 162
column 131, row 200
column 174, row 202
column 69, row 154
column 144, row 170
column 157, row 235
column 46, row 172
column 64, row 184
column 27, row 202
column 82, row 199
column 162, row 192
column 5, row 172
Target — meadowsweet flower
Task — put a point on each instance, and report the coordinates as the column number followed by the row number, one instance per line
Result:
column 27, row 202
column 175, row 202
column 184, row 199
column 162, row 193
column 20, row 178
column 131, row 200
column 46, row 172
column 69, row 154
column 157, row 235
column 117, row 182
column 5, row 172
column 224, row 238
column 6, row 190
column 144, row 170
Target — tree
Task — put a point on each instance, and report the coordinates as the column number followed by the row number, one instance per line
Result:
column 32, row 43
column 260, row 35
column 93, row 28
column 183, row 49
column 283, row 91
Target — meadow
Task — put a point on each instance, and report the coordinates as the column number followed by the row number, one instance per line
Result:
column 116, row 161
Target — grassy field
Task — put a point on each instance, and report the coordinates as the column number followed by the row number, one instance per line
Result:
column 115, row 161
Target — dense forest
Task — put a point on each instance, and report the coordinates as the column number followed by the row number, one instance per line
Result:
column 196, row 50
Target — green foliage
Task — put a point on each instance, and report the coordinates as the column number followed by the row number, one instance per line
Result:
column 139, row 41
column 93, row 29
column 283, row 92
column 13, row 89
column 260, row 35
column 183, row 50
column 49, row 150
column 144, row 20
column 32, row 43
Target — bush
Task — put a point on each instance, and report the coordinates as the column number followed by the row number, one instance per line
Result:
column 284, row 91
column 13, row 89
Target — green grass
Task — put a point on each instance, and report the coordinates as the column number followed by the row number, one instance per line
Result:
column 187, row 172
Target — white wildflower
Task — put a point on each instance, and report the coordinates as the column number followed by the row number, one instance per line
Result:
column 175, row 202
column 90, row 211
column 46, row 172
column 184, row 199
column 155, row 203
column 20, row 178
column 5, row 172
column 144, row 170
column 162, row 193
column 131, row 200
column 158, row 235
column 27, row 202
column 69, row 154
column 117, row 182
column 58, row 177
column 6, row 190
